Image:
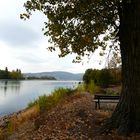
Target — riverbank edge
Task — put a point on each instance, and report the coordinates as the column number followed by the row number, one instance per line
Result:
column 19, row 117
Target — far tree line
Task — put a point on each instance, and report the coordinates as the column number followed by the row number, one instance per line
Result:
column 18, row 75
column 14, row 74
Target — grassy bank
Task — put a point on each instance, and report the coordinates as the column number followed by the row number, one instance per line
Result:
column 43, row 103
column 46, row 102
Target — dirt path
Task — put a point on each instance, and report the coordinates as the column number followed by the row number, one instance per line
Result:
column 72, row 119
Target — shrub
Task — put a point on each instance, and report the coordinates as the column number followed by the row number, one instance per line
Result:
column 44, row 102
column 60, row 93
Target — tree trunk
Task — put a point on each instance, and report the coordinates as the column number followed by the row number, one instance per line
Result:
column 126, row 117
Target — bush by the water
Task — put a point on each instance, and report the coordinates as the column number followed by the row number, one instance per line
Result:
column 46, row 102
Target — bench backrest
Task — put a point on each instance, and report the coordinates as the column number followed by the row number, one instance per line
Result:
column 107, row 97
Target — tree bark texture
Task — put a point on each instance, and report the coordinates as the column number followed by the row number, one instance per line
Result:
column 126, row 117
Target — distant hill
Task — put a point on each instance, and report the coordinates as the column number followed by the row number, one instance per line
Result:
column 59, row 75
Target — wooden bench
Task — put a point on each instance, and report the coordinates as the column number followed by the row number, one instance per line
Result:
column 105, row 99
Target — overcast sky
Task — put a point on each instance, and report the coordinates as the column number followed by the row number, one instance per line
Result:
column 23, row 46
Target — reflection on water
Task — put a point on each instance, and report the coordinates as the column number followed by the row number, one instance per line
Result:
column 15, row 95
column 9, row 86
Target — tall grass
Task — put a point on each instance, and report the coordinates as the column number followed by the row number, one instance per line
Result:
column 46, row 102
column 92, row 87
column 81, row 87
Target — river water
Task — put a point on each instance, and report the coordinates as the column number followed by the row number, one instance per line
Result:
column 15, row 95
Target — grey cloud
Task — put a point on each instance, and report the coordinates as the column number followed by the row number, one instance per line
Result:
column 18, row 34
column 29, row 58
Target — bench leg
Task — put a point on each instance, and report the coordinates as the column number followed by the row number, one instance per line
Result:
column 99, row 105
column 96, row 103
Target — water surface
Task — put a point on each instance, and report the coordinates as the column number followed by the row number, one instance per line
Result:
column 15, row 95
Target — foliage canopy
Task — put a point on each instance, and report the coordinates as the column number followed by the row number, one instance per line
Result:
column 77, row 26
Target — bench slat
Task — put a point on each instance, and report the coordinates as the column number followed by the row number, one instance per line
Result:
column 105, row 99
